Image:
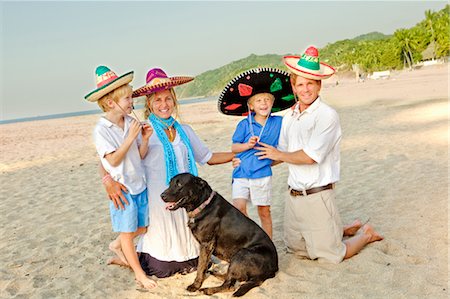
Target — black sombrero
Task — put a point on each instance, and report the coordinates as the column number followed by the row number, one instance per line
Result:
column 233, row 98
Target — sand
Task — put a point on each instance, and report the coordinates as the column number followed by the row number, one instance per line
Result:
column 55, row 227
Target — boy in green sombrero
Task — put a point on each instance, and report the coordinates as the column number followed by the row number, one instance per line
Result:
column 115, row 138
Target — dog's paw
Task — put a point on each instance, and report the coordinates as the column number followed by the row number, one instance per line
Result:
column 192, row 288
column 206, row 291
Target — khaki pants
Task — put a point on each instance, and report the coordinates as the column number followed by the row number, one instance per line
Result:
column 313, row 227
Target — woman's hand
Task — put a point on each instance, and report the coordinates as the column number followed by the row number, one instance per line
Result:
column 114, row 190
column 236, row 162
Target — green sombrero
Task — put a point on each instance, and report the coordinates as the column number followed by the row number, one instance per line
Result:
column 107, row 81
column 308, row 65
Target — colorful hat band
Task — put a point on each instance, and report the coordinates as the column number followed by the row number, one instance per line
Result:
column 105, row 78
column 309, row 62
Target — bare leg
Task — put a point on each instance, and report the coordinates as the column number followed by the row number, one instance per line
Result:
column 351, row 229
column 115, row 247
column 241, row 205
column 356, row 243
column 266, row 219
column 126, row 240
column 117, row 261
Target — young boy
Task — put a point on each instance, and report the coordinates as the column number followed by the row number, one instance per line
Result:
column 256, row 93
column 115, row 139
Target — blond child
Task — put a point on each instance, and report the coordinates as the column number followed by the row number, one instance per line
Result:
column 255, row 93
column 115, row 139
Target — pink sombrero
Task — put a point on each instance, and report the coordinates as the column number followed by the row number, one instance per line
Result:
column 308, row 65
column 107, row 81
column 157, row 80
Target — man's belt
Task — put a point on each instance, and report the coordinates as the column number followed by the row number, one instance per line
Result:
column 309, row 191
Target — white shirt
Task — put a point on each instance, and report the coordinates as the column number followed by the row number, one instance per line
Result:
column 317, row 132
column 108, row 138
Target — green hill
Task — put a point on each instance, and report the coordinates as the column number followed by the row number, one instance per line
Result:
column 371, row 52
column 212, row 82
column 372, row 36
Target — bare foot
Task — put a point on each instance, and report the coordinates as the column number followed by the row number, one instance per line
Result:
column 350, row 230
column 372, row 235
column 146, row 283
column 115, row 247
column 116, row 261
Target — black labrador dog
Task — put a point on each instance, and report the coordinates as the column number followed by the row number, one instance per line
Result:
column 224, row 231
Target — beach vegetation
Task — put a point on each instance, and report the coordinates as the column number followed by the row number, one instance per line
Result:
column 369, row 52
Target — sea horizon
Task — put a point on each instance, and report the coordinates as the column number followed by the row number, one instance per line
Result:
column 95, row 111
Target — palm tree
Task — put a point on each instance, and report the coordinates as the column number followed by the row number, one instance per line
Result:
column 406, row 44
column 442, row 29
column 430, row 18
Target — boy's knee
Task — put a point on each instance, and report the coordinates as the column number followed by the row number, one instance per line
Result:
column 264, row 211
column 240, row 204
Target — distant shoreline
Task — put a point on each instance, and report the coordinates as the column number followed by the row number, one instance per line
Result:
column 96, row 111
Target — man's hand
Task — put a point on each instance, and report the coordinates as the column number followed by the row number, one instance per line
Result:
column 267, row 152
column 114, row 190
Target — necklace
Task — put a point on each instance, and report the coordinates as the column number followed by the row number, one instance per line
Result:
column 251, row 126
column 170, row 129
column 171, row 134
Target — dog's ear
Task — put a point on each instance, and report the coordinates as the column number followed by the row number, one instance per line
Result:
column 201, row 183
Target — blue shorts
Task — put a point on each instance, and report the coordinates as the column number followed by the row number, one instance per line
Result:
column 135, row 214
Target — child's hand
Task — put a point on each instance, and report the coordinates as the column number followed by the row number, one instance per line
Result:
column 135, row 128
column 147, row 131
column 252, row 141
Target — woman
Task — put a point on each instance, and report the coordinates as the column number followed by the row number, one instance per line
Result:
column 168, row 247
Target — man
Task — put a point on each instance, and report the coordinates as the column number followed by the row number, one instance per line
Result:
column 309, row 143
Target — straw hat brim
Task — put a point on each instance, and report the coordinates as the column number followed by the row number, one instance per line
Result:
column 231, row 102
column 324, row 72
column 105, row 89
column 151, row 88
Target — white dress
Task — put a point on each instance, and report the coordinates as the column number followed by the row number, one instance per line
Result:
column 168, row 237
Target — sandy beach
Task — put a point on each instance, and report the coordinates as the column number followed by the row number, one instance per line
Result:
column 55, row 226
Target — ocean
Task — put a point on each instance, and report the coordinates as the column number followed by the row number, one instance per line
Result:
column 97, row 111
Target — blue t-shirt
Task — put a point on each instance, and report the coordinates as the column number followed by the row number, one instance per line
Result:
column 251, row 167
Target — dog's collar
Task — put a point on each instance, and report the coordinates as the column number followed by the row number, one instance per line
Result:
column 197, row 210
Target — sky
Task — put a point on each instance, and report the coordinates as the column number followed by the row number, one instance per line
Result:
column 49, row 50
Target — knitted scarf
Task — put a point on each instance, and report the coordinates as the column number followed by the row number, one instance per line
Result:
column 159, row 124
